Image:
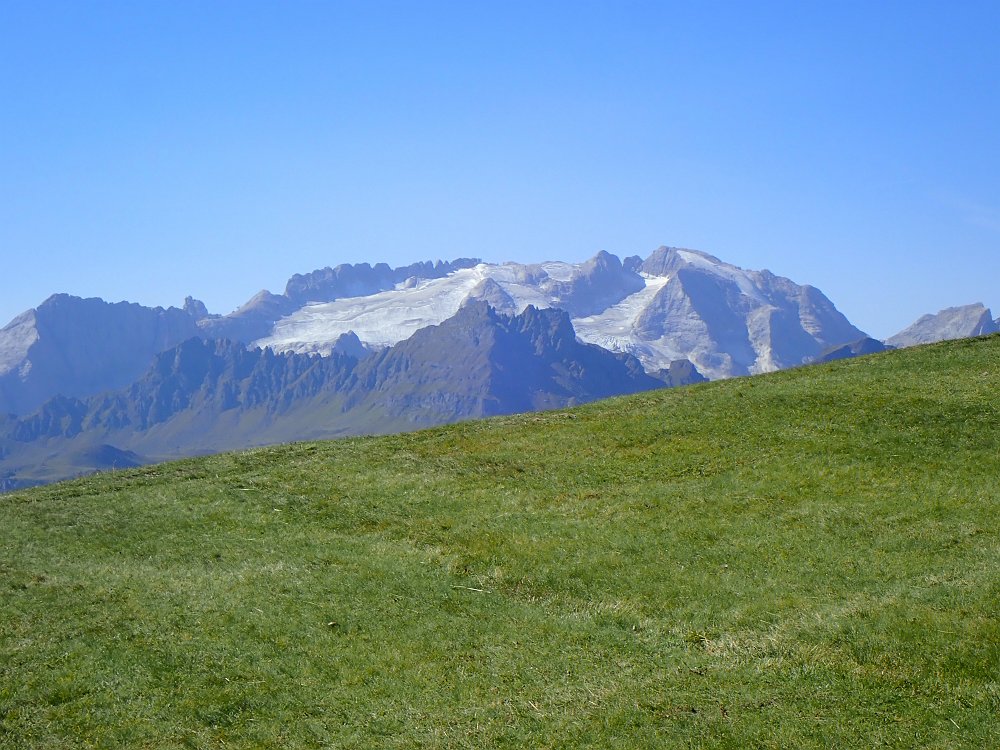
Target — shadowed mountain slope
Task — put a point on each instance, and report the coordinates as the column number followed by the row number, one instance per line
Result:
column 858, row 348
column 77, row 347
column 204, row 396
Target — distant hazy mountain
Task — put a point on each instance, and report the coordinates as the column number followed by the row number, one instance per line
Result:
column 677, row 304
column 77, row 347
column 950, row 323
column 215, row 395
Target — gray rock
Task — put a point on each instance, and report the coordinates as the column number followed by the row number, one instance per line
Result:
column 729, row 321
column 195, row 308
column 665, row 260
column 481, row 363
column 599, row 283
column 251, row 321
column 490, row 292
column 680, row 372
column 350, row 345
column 78, row 347
column 950, row 323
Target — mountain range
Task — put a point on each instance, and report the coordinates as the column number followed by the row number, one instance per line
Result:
column 209, row 395
column 675, row 304
column 86, row 384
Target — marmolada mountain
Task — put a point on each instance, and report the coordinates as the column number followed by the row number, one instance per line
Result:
column 89, row 385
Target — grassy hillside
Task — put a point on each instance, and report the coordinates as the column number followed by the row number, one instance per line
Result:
column 806, row 559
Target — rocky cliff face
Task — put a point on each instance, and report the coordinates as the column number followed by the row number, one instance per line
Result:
column 481, row 363
column 596, row 285
column 729, row 321
column 950, row 323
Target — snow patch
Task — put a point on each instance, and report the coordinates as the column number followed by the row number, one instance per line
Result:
column 16, row 339
column 614, row 328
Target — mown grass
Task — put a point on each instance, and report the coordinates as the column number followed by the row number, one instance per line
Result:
column 806, row 559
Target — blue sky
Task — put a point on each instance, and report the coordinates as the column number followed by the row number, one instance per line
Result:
column 151, row 150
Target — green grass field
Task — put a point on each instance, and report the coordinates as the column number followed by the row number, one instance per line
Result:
column 804, row 559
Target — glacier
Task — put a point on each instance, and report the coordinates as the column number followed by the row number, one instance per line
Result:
column 677, row 304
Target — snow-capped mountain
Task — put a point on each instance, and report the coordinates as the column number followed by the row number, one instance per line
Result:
column 677, row 304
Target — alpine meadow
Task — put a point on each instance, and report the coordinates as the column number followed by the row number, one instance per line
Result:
column 806, row 558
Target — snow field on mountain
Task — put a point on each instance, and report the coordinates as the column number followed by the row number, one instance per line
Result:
column 614, row 328
column 380, row 319
column 391, row 316
column 683, row 304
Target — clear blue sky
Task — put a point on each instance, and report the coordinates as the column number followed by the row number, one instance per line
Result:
column 150, row 150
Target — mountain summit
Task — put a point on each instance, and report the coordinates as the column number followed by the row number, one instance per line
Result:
column 950, row 323
column 77, row 347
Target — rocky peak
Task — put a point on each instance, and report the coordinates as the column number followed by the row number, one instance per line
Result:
column 75, row 347
column 598, row 284
column 495, row 364
column 632, row 263
column 547, row 328
column 490, row 292
column 195, row 308
column 680, row 372
column 666, row 260
column 950, row 323
column 350, row 345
